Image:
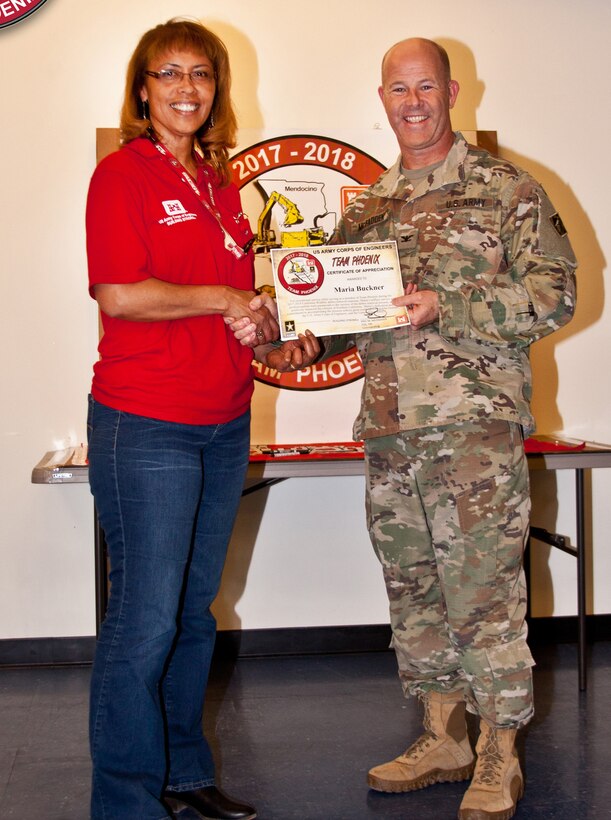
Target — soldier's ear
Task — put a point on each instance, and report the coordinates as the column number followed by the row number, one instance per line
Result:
column 453, row 89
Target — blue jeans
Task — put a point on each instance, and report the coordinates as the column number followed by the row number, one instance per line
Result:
column 167, row 496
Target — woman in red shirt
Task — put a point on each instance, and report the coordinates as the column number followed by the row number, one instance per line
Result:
column 169, row 418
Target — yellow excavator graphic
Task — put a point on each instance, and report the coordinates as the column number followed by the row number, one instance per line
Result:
column 266, row 236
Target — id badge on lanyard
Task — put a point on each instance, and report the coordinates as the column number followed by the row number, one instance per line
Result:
column 229, row 241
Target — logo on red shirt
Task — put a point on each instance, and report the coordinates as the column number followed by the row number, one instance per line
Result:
column 173, row 206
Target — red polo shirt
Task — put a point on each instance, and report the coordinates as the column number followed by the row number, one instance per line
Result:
column 142, row 222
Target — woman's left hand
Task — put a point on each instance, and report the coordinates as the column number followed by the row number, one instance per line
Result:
column 294, row 354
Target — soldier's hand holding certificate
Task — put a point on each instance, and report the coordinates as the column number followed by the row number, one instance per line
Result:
column 337, row 289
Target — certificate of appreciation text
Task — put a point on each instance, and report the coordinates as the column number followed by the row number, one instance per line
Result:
column 337, row 289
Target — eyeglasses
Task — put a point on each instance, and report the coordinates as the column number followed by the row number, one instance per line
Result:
column 170, row 76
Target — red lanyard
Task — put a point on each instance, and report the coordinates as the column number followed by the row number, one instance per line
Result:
column 228, row 240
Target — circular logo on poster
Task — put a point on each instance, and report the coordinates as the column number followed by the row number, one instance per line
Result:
column 14, row 11
column 301, row 273
column 294, row 189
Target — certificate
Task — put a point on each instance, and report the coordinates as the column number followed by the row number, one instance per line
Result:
column 336, row 289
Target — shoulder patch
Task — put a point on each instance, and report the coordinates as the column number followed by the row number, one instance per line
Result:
column 558, row 224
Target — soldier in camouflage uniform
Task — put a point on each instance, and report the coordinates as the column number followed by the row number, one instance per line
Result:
column 487, row 269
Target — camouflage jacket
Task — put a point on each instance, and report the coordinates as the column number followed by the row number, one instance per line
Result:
column 484, row 235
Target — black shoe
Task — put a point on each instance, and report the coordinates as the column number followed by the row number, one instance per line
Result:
column 211, row 803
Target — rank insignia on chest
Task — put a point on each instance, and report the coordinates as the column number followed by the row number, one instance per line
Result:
column 407, row 241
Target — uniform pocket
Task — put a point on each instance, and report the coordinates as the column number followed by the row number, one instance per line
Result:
column 475, row 505
column 509, row 658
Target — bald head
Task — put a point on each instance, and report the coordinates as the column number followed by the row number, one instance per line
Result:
column 417, row 94
column 412, row 47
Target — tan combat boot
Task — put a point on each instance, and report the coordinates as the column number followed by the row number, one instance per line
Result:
column 497, row 783
column 441, row 754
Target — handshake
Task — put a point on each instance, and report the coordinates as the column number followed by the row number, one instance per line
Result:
column 259, row 329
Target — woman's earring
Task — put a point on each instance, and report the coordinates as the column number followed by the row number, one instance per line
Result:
column 211, row 120
column 145, row 110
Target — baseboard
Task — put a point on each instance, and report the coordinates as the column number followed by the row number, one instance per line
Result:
column 246, row 643
column 312, row 640
column 564, row 629
column 46, row 651
column 251, row 643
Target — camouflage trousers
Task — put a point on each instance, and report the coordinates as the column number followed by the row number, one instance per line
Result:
column 448, row 510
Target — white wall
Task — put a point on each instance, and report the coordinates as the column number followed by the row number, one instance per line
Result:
column 534, row 72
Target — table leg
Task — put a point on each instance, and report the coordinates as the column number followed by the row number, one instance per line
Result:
column 262, row 484
column 581, row 578
column 101, row 572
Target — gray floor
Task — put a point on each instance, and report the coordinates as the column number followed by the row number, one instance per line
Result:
column 295, row 736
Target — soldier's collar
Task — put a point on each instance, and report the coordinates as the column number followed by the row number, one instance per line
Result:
column 395, row 185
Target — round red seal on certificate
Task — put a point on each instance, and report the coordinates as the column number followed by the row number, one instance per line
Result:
column 301, row 273
column 294, row 189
